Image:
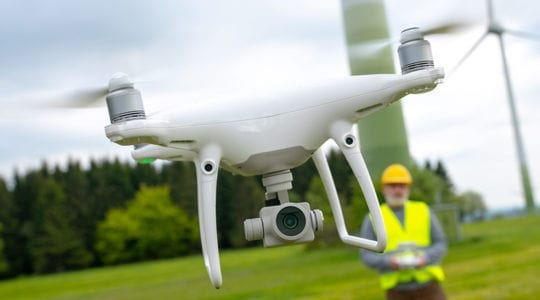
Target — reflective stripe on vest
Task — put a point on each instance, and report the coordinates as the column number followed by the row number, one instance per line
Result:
column 416, row 229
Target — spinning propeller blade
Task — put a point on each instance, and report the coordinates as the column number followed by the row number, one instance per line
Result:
column 82, row 98
column 373, row 47
column 369, row 48
column 90, row 97
column 447, row 27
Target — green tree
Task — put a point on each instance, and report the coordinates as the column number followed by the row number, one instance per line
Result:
column 440, row 170
column 78, row 194
column 427, row 186
column 4, row 267
column 111, row 186
column 247, row 200
column 150, row 227
column 316, row 196
column 181, row 177
column 55, row 245
column 22, row 230
column 357, row 209
column 302, row 176
column 238, row 198
column 471, row 205
column 342, row 173
column 4, row 217
column 225, row 203
column 144, row 174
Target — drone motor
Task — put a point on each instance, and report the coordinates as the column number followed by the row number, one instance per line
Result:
column 414, row 51
column 124, row 102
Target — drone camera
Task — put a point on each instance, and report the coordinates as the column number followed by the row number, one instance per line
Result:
column 125, row 104
column 414, row 51
column 288, row 223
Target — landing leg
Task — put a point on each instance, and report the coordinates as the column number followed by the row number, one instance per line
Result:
column 207, row 172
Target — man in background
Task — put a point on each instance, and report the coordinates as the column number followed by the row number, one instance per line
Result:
column 409, row 267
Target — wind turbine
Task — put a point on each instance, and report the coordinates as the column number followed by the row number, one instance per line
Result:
column 493, row 27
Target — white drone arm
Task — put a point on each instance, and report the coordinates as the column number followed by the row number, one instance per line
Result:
column 347, row 139
column 207, row 165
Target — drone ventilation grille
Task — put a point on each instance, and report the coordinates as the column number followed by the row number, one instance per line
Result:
column 129, row 115
column 417, row 65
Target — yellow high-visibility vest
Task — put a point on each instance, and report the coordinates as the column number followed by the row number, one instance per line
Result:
column 417, row 229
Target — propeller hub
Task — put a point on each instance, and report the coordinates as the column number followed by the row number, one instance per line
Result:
column 119, row 81
column 411, row 34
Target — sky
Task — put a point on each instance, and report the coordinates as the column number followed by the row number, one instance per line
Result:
column 181, row 52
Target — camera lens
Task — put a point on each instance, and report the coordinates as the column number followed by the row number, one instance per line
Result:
column 290, row 221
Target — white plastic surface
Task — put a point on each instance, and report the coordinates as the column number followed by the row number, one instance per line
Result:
column 206, row 194
column 273, row 134
column 340, row 131
column 118, row 81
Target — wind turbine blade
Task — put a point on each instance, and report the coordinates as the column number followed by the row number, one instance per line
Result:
column 490, row 11
column 523, row 34
column 467, row 54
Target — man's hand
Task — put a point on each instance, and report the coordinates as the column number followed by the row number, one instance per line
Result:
column 394, row 262
column 410, row 260
column 421, row 260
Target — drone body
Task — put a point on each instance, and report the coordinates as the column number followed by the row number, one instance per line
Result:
column 269, row 137
column 261, row 136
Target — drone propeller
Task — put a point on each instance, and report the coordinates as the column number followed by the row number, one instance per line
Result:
column 372, row 47
column 87, row 97
column 369, row 48
column 47, row 101
column 447, row 27
column 124, row 102
column 92, row 96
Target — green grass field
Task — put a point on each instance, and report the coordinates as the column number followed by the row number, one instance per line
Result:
column 498, row 259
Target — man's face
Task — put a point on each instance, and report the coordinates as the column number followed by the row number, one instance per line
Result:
column 395, row 194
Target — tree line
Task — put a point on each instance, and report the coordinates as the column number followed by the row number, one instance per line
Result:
column 54, row 219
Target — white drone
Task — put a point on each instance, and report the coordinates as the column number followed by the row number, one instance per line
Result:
column 269, row 138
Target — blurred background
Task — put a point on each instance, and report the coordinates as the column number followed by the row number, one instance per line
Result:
column 185, row 52
column 59, row 162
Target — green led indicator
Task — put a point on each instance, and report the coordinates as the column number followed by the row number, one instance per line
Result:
column 146, row 161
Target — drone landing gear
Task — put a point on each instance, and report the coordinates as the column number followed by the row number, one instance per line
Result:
column 347, row 139
column 207, row 172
